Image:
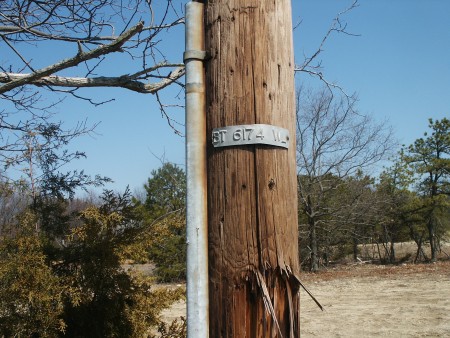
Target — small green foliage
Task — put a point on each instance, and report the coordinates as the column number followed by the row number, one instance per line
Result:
column 166, row 191
column 428, row 159
column 168, row 248
column 110, row 302
column 79, row 289
column 163, row 214
column 31, row 295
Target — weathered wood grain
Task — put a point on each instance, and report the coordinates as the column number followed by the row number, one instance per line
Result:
column 252, row 196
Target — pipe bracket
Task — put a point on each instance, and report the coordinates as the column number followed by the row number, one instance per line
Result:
column 199, row 55
column 194, row 87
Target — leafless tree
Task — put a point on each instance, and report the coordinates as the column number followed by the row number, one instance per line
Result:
column 88, row 31
column 312, row 64
column 46, row 45
column 336, row 147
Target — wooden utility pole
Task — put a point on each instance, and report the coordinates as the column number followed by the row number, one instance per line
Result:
column 252, row 182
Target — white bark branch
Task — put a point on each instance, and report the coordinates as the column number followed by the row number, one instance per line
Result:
column 71, row 62
column 125, row 81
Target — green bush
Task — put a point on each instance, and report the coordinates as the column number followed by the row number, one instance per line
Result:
column 31, row 295
column 163, row 214
column 79, row 289
column 168, row 249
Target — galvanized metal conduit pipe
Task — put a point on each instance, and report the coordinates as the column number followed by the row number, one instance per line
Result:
column 197, row 234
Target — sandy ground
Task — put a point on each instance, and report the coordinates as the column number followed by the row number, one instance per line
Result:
column 379, row 301
column 373, row 301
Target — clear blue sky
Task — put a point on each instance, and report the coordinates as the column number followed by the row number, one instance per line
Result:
column 398, row 65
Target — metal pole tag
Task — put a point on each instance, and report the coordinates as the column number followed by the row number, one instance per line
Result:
column 250, row 134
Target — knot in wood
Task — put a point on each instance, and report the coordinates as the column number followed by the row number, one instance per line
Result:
column 272, row 184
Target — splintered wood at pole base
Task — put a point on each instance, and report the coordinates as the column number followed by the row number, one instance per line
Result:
column 252, row 194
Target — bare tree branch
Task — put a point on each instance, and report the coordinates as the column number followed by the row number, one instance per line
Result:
column 125, row 81
column 74, row 61
column 336, row 149
column 51, row 49
column 88, row 24
column 7, row 30
column 315, row 69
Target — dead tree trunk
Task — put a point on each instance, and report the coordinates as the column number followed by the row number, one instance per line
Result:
column 252, row 195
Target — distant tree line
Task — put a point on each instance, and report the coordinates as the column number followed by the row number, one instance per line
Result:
column 342, row 207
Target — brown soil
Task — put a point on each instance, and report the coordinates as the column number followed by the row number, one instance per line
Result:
column 365, row 300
